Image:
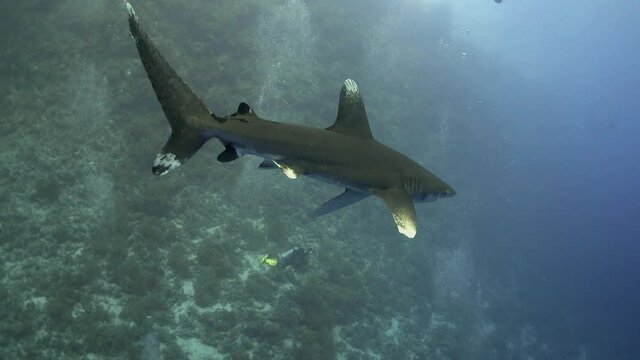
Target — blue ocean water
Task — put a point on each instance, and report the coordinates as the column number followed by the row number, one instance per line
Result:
column 527, row 108
column 572, row 182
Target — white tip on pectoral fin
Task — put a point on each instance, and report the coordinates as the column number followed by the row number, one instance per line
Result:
column 406, row 225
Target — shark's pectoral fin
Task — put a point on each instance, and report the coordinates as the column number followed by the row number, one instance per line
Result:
column 352, row 116
column 229, row 154
column 267, row 165
column 401, row 206
column 347, row 198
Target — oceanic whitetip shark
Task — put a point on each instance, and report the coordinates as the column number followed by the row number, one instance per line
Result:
column 345, row 153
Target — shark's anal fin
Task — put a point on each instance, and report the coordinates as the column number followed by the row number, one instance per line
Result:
column 347, row 198
column 402, row 208
column 267, row 165
column 229, row 154
column 352, row 116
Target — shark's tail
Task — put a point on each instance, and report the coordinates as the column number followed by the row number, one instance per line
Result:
column 189, row 117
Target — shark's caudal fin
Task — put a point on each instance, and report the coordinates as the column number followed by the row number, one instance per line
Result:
column 352, row 116
column 188, row 116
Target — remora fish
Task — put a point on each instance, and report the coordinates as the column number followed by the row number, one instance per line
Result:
column 345, row 153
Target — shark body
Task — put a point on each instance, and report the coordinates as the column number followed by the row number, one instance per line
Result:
column 345, row 153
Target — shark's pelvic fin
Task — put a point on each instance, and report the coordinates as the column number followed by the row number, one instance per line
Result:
column 188, row 116
column 402, row 208
column 352, row 116
column 347, row 198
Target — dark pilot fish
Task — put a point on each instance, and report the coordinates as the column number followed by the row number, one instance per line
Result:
column 345, row 153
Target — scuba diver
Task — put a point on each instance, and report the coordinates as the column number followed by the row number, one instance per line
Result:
column 498, row 1
column 296, row 257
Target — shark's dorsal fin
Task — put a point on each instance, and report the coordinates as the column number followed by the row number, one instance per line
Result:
column 352, row 116
column 401, row 206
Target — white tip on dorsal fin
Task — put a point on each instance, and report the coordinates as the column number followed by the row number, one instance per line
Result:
column 352, row 116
